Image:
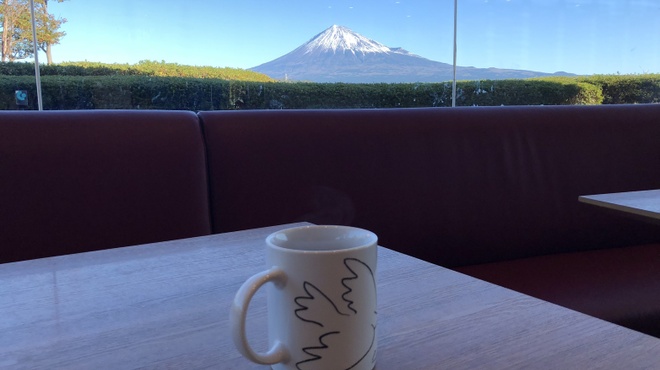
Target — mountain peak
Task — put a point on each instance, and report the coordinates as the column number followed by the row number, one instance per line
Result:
column 340, row 55
column 341, row 39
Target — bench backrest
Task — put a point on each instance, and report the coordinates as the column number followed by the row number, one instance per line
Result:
column 73, row 181
column 454, row 186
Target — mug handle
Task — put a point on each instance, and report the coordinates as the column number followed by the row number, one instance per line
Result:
column 277, row 353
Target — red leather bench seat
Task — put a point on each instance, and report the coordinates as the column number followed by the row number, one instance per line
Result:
column 490, row 191
column 458, row 187
column 74, row 181
column 621, row 285
column 454, row 186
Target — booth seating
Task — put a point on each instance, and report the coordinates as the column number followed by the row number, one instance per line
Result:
column 487, row 191
column 76, row 181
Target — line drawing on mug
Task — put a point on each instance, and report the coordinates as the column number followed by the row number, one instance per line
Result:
column 357, row 308
column 313, row 356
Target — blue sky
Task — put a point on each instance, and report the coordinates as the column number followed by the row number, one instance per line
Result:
column 578, row 36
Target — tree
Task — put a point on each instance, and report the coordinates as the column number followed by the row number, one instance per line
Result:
column 11, row 12
column 17, row 29
column 49, row 34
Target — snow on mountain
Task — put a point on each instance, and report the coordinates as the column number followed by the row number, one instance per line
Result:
column 341, row 55
column 338, row 38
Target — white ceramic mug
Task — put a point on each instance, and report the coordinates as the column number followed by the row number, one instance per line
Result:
column 321, row 303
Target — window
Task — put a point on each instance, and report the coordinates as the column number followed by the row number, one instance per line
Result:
column 134, row 53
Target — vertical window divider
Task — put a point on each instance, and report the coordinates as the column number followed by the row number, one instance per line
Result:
column 37, row 71
column 453, row 84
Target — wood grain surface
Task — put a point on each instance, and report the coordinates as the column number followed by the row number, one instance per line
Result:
column 644, row 203
column 166, row 306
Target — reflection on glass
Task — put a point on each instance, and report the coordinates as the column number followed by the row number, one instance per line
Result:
column 278, row 55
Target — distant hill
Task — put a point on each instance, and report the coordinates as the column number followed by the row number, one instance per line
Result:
column 341, row 55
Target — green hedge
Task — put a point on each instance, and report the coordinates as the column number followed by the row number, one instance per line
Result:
column 143, row 68
column 102, row 87
column 621, row 89
column 527, row 92
column 149, row 92
column 118, row 92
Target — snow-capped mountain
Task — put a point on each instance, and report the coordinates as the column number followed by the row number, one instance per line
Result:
column 341, row 55
column 338, row 38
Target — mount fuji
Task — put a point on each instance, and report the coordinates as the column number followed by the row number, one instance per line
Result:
column 341, row 55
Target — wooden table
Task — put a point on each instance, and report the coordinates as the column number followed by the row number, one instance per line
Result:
column 643, row 204
column 166, row 306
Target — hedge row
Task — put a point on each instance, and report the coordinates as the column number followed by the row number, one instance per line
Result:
column 621, row 89
column 150, row 92
column 142, row 68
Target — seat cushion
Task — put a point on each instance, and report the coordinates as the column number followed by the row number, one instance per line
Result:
column 75, row 181
column 453, row 186
column 621, row 285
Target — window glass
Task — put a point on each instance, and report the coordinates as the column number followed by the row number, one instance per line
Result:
column 251, row 54
column 582, row 37
column 609, row 48
column 167, row 40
